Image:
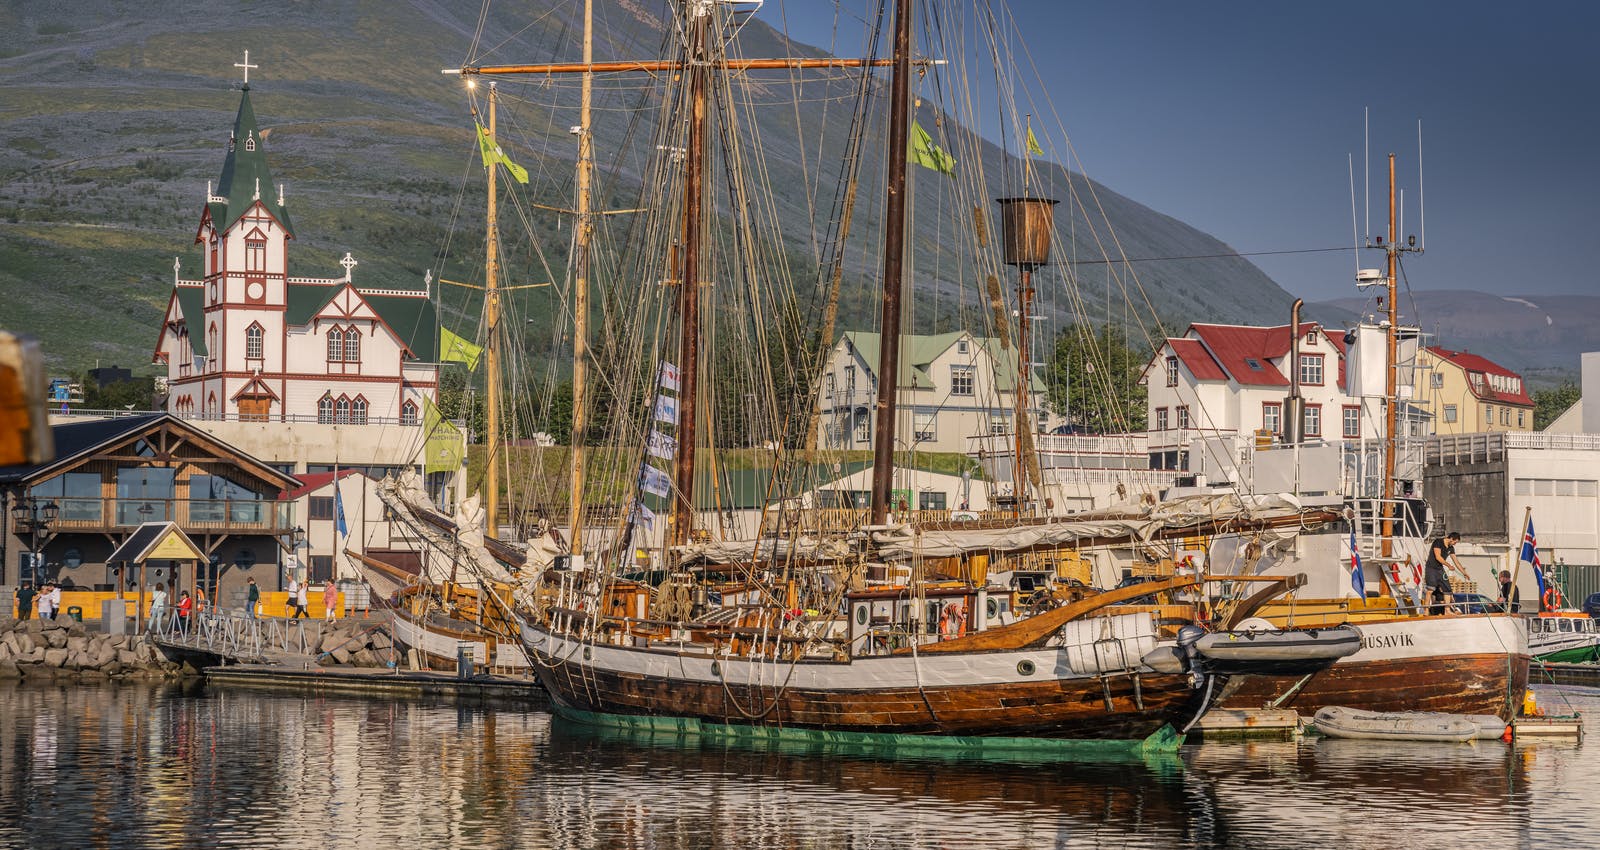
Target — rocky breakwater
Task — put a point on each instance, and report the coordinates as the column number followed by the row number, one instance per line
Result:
column 355, row 643
column 51, row 649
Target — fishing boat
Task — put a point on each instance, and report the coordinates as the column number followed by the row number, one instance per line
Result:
column 1564, row 637
column 870, row 634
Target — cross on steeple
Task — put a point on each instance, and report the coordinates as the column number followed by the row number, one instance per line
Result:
column 246, row 66
column 349, row 263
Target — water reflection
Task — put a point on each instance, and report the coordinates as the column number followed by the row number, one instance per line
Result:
column 167, row 766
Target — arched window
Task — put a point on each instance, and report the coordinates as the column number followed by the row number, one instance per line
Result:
column 255, row 252
column 358, row 411
column 250, row 143
column 211, row 405
column 211, row 342
column 341, row 411
column 408, row 413
column 252, row 341
column 352, row 346
column 335, row 344
column 325, row 410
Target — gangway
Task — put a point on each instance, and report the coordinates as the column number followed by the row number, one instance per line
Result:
column 236, row 637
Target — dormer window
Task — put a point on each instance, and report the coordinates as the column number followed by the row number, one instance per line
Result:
column 1254, row 364
column 961, row 347
column 250, row 143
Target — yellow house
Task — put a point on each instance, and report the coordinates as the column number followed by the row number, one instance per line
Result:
column 1470, row 394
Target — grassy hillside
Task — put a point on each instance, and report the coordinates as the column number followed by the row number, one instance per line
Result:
column 115, row 115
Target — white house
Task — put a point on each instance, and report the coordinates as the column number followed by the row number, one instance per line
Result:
column 369, row 528
column 951, row 387
column 247, row 341
column 1232, row 381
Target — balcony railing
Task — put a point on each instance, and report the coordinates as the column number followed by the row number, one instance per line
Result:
column 247, row 516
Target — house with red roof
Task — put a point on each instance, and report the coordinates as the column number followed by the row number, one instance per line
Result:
column 1232, row 380
column 1470, row 393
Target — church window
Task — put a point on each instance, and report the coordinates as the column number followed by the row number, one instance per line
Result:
column 335, row 344
column 341, row 411
column 255, row 255
column 211, row 343
column 211, row 405
column 252, row 342
column 352, row 345
column 250, row 143
column 408, row 413
column 325, row 410
column 358, row 411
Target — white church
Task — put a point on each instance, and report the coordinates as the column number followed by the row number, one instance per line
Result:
column 248, row 342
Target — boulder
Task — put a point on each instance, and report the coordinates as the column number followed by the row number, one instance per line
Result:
column 9, row 670
column 23, row 642
column 77, row 644
column 381, row 640
column 340, row 655
column 366, row 658
column 55, row 657
column 355, row 644
column 105, row 654
column 55, row 638
column 127, row 657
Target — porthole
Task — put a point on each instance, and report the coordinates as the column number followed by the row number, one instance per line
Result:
column 716, row 668
column 1025, row 667
column 861, row 615
column 993, row 607
column 587, row 654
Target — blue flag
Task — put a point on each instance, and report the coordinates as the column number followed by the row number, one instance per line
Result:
column 1530, row 553
column 338, row 508
column 1358, row 580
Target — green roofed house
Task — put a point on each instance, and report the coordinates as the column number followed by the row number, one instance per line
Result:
column 247, row 341
column 957, row 393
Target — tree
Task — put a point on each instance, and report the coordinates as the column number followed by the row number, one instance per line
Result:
column 1549, row 404
column 1093, row 379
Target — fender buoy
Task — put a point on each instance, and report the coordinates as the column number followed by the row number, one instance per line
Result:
column 1552, row 598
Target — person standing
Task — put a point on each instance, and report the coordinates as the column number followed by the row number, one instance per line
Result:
column 330, row 600
column 47, row 610
column 25, row 596
column 252, row 598
column 300, row 594
column 158, row 607
column 1434, row 577
column 1510, row 598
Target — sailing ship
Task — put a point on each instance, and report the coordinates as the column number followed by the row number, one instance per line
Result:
column 869, row 634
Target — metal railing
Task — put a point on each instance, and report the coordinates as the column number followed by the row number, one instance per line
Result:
column 261, row 516
column 232, row 635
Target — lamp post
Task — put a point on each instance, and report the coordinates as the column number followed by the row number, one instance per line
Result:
column 35, row 516
column 297, row 539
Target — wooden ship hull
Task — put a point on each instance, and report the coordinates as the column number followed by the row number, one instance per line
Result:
column 1001, row 693
column 1455, row 665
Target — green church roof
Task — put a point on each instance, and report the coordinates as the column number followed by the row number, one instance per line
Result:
column 245, row 177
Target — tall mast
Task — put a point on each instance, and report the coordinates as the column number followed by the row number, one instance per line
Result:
column 689, row 281
column 491, row 357
column 1391, row 414
column 894, row 223
column 580, row 287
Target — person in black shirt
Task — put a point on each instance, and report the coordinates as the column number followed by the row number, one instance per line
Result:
column 1510, row 598
column 1440, row 554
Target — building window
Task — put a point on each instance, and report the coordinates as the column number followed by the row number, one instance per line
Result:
column 1311, row 370
column 1488, row 414
column 335, row 345
column 1172, row 371
column 863, row 429
column 341, row 411
column 325, row 410
column 923, row 427
column 1311, row 337
column 352, row 346
column 961, row 346
column 850, row 382
column 928, row 501
column 1313, row 420
column 255, row 256
column 1161, row 419
column 358, row 411
column 408, row 413
column 250, row 143
column 1522, row 419
column 1183, row 417
column 830, row 385
column 1437, row 379
column 1352, row 421
column 1449, row 413
column 961, row 380
column 319, row 507
column 999, row 425
column 252, row 342
column 321, row 569
column 1505, row 416
column 1271, row 417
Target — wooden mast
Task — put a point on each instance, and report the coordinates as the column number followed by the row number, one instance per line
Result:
column 1391, row 414
column 580, row 291
column 689, row 281
column 894, row 223
column 491, row 355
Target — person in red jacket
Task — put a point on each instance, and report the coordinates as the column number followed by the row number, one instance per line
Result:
column 185, row 607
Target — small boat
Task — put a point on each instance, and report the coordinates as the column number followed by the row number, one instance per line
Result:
column 1337, row 721
column 1267, row 650
column 1564, row 636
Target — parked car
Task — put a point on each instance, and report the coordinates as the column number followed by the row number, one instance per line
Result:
column 1591, row 605
column 1474, row 603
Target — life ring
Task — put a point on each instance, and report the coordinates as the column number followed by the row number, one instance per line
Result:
column 1552, row 598
column 952, row 622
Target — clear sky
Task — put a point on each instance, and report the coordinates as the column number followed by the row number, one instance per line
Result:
column 1239, row 117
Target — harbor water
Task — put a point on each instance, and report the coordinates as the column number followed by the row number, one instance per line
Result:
column 130, row 766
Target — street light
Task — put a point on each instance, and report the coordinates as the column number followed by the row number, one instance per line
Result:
column 35, row 516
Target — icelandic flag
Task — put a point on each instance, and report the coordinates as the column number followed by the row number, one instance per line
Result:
column 1530, row 553
column 1358, row 580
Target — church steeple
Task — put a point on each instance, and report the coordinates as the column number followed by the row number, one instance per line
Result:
column 245, row 176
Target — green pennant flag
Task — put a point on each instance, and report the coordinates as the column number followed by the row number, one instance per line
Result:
column 457, row 349
column 925, row 153
column 1033, row 144
column 443, row 451
column 492, row 153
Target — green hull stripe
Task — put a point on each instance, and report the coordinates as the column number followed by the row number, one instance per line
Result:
column 1575, row 655
column 1164, row 740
